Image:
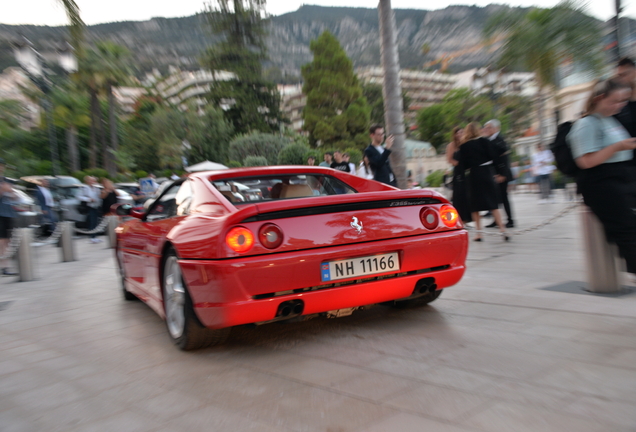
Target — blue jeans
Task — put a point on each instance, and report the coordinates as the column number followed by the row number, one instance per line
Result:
column 93, row 213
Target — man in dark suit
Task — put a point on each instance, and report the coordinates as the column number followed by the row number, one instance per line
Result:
column 492, row 131
column 379, row 156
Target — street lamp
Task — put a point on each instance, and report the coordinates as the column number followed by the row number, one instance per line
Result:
column 32, row 62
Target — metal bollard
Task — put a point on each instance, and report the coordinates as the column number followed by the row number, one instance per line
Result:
column 24, row 254
column 66, row 241
column 601, row 261
column 113, row 222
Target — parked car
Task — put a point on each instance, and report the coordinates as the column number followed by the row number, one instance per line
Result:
column 68, row 198
column 323, row 242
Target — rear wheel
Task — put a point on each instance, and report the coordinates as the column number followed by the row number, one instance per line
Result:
column 419, row 301
column 184, row 327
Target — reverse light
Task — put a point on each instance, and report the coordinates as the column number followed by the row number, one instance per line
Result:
column 240, row 239
column 429, row 218
column 270, row 236
column 449, row 216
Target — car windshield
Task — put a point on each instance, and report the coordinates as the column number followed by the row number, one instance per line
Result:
column 242, row 190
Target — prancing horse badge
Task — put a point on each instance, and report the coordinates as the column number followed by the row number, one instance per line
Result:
column 356, row 224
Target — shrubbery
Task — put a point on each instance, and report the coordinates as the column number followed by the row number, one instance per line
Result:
column 252, row 161
column 258, row 144
column 293, row 154
column 435, row 178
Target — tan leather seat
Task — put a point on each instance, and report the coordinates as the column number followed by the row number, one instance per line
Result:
column 295, row 191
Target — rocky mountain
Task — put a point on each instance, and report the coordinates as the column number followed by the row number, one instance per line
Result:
column 161, row 42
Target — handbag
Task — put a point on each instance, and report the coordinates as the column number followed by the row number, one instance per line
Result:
column 82, row 208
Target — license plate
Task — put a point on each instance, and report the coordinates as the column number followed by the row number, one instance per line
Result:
column 357, row 267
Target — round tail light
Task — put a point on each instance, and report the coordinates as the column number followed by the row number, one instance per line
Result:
column 429, row 218
column 270, row 236
column 449, row 216
column 240, row 239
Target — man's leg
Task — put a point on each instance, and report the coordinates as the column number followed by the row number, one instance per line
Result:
column 503, row 189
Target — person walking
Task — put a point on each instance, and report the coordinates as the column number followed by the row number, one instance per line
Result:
column 108, row 196
column 492, row 131
column 604, row 151
column 7, row 216
column 476, row 155
column 626, row 75
column 46, row 203
column 542, row 165
column 91, row 196
column 460, row 189
column 379, row 156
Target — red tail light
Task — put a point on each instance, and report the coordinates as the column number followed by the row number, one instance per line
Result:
column 449, row 216
column 270, row 236
column 240, row 239
column 429, row 218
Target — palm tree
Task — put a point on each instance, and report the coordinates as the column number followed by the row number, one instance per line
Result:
column 90, row 77
column 70, row 112
column 114, row 68
column 393, row 108
column 541, row 39
column 76, row 26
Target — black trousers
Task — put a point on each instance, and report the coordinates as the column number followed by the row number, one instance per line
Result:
column 609, row 190
column 503, row 194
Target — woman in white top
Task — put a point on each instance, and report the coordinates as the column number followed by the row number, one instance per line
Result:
column 364, row 170
column 603, row 150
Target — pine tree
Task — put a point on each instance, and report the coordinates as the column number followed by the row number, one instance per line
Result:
column 253, row 104
column 336, row 114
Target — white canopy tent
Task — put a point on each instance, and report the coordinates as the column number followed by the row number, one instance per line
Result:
column 206, row 166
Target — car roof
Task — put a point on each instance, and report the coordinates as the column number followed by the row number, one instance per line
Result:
column 262, row 171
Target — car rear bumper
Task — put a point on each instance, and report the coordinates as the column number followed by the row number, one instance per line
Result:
column 239, row 291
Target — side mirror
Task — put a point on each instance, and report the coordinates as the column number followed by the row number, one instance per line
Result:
column 121, row 209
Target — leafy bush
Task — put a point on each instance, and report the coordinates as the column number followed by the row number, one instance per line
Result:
column 97, row 172
column 258, row 144
column 234, row 164
column 252, row 161
column 293, row 154
column 355, row 155
column 435, row 178
column 141, row 174
column 80, row 175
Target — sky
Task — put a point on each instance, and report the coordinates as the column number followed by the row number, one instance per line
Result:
column 49, row 12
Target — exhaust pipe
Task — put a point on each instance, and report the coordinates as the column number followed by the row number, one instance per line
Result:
column 290, row 309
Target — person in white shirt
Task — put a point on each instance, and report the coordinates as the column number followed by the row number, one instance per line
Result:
column 91, row 196
column 542, row 166
column 364, row 170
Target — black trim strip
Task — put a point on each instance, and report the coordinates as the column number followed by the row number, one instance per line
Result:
column 351, row 282
column 337, row 208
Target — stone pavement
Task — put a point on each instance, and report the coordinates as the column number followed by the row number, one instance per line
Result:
column 515, row 346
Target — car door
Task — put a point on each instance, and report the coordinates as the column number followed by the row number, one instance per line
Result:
column 150, row 237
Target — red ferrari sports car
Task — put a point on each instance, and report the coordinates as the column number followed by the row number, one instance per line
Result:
column 257, row 245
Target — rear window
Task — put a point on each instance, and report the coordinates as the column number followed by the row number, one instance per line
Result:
column 270, row 188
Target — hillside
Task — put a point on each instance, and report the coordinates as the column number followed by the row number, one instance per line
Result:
column 161, row 42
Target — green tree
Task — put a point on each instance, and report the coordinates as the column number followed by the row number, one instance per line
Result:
column 253, row 104
column 208, row 135
column 11, row 113
column 252, row 161
column 336, row 113
column 539, row 40
column 432, row 125
column 71, row 112
column 113, row 65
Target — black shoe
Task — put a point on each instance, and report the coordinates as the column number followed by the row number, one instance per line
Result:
column 510, row 224
column 7, row 272
column 492, row 225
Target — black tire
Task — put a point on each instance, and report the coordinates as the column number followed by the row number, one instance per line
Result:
column 128, row 296
column 419, row 301
column 183, row 325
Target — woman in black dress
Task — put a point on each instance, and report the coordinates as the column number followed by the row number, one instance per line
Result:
column 109, row 196
column 460, row 189
column 476, row 154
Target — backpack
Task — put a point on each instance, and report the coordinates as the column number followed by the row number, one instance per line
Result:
column 563, row 153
